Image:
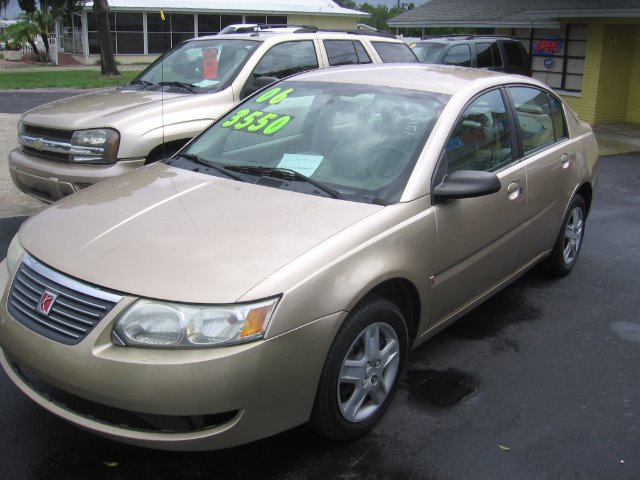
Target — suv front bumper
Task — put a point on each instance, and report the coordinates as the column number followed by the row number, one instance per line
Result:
column 49, row 180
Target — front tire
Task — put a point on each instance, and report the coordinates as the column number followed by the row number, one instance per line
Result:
column 362, row 370
column 567, row 247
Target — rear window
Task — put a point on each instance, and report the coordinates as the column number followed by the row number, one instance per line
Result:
column 394, row 52
column 515, row 54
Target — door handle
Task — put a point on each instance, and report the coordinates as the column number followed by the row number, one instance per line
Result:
column 564, row 159
column 514, row 190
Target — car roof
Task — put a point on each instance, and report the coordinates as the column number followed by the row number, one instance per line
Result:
column 445, row 79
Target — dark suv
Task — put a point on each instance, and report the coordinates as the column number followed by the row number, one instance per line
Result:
column 502, row 54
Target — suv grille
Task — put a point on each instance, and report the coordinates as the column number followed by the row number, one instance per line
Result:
column 55, row 306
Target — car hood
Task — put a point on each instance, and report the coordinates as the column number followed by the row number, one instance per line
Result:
column 162, row 232
column 99, row 109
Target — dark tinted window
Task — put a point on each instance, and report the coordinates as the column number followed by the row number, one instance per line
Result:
column 515, row 54
column 488, row 55
column 345, row 52
column 286, row 59
column 226, row 20
column 394, row 52
column 459, row 55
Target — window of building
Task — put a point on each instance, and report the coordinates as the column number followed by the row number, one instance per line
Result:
column 481, row 138
column 534, row 118
column 127, row 35
column 345, row 52
column 266, row 19
column 557, row 55
column 488, row 55
column 459, row 55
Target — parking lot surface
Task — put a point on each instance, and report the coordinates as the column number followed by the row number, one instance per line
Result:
column 541, row 382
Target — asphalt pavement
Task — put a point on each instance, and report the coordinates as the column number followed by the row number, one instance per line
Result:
column 541, row 382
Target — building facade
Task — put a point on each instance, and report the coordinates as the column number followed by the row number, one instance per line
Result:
column 143, row 29
column 587, row 50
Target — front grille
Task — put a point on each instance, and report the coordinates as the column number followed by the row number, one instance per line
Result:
column 75, row 308
column 48, row 133
column 47, row 155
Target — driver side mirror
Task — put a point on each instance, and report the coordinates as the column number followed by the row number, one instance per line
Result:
column 256, row 84
column 466, row 184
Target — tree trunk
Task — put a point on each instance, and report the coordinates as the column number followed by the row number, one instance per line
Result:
column 108, row 62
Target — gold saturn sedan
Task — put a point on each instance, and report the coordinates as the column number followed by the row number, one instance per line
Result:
column 278, row 269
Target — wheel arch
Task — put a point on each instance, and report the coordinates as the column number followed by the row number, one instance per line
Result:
column 586, row 192
column 404, row 294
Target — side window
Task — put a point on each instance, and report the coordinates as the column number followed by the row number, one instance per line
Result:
column 459, row 55
column 286, row 59
column 363, row 56
column 481, row 138
column 391, row 52
column 515, row 54
column 345, row 52
column 534, row 117
column 488, row 55
column 559, row 122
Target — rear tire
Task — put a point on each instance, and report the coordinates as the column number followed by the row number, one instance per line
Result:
column 569, row 241
column 361, row 371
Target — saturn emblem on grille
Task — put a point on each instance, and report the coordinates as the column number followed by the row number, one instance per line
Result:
column 45, row 304
column 38, row 144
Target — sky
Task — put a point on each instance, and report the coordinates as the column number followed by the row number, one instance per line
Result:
column 13, row 10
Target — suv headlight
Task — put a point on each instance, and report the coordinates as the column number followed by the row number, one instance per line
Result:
column 14, row 254
column 99, row 145
column 150, row 323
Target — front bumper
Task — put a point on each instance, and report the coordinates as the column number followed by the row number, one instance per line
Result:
column 49, row 180
column 260, row 388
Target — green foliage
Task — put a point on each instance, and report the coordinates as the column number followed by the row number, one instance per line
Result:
column 63, row 78
column 23, row 31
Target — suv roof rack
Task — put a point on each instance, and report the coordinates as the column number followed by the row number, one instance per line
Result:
column 372, row 33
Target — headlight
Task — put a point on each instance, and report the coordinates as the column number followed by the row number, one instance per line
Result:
column 155, row 324
column 94, row 146
column 14, row 254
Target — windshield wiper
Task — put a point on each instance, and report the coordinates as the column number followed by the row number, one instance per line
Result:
column 185, row 86
column 289, row 174
column 146, row 85
column 196, row 159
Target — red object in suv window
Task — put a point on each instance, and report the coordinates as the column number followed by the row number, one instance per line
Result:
column 210, row 60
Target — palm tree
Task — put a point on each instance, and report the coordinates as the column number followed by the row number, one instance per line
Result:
column 24, row 30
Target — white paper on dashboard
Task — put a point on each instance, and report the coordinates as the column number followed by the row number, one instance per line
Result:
column 303, row 163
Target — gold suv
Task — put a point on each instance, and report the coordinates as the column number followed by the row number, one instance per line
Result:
column 279, row 268
column 68, row 145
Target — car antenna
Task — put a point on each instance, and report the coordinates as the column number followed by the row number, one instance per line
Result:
column 162, row 18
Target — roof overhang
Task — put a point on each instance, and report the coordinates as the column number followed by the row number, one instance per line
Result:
column 584, row 13
column 546, row 23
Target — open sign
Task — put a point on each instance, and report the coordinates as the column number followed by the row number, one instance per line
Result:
column 547, row 46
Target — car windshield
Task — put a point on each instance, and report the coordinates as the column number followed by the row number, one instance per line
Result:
column 428, row 52
column 353, row 142
column 197, row 66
